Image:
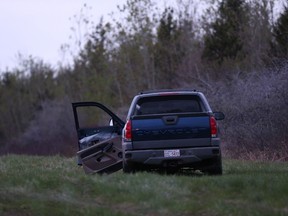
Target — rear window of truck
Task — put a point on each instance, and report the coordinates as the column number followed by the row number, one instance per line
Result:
column 168, row 104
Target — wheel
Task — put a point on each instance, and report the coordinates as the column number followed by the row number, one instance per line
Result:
column 216, row 169
column 127, row 168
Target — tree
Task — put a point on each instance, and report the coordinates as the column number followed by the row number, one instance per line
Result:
column 167, row 49
column 280, row 33
column 132, row 58
column 222, row 40
column 93, row 55
column 91, row 73
column 24, row 90
column 257, row 34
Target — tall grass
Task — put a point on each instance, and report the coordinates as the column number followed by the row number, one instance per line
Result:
column 33, row 185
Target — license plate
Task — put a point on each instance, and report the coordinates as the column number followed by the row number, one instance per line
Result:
column 172, row 153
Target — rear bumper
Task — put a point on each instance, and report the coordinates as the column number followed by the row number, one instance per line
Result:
column 156, row 157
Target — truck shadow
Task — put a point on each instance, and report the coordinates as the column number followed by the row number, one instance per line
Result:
column 182, row 172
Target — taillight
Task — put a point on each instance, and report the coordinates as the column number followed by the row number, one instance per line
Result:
column 128, row 131
column 213, row 126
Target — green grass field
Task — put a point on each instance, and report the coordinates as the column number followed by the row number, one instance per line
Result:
column 31, row 185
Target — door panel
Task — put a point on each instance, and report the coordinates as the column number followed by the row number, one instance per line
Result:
column 99, row 142
column 103, row 157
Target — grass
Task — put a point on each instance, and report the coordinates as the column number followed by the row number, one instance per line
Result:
column 32, row 185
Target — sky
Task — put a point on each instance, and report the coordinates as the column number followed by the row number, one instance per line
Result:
column 38, row 28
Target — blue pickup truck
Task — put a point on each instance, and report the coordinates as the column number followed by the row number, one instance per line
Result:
column 169, row 130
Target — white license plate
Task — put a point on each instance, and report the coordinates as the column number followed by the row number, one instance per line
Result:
column 172, row 153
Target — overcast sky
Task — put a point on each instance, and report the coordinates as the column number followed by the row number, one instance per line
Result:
column 40, row 27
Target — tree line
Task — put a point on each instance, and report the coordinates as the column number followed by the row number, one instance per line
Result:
column 235, row 51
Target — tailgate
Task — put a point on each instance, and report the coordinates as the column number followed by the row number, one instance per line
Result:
column 171, row 131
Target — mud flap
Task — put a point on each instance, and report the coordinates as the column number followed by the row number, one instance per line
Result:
column 102, row 157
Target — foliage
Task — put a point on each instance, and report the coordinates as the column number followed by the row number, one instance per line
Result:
column 239, row 38
column 23, row 91
column 167, row 49
column 226, row 54
column 281, row 34
column 258, row 35
column 256, row 118
column 223, row 39
column 133, row 59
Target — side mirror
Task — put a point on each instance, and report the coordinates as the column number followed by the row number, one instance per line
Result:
column 219, row 115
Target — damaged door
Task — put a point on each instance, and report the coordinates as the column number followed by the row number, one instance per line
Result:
column 99, row 133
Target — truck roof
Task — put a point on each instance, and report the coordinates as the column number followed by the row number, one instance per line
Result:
column 167, row 91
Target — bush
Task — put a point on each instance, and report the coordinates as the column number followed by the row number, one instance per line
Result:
column 51, row 132
column 256, row 114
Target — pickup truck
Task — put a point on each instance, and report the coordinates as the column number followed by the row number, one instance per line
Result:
column 168, row 130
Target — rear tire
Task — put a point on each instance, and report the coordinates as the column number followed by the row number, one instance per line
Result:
column 127, row 168
column 217, row 168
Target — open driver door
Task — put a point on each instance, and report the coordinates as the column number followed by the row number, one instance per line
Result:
column 99, row 133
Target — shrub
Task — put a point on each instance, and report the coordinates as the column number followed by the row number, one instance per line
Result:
column 256, row 114
column 51, row 132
